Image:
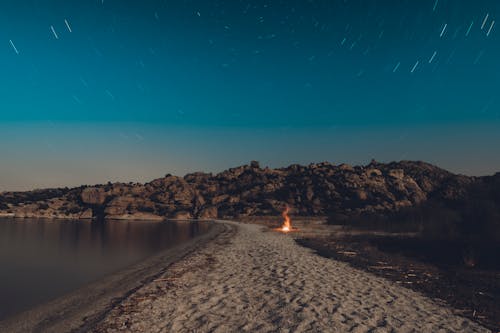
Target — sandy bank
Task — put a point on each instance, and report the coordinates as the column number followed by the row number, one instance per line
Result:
column 254, row 279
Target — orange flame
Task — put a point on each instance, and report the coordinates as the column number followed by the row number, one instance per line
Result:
column 287, row 225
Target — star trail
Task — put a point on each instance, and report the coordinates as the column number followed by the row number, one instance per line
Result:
column 348, row 78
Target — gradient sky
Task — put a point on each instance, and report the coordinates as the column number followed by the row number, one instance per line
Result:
column 113, row 90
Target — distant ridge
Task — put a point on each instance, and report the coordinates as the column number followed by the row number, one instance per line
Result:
column 314, row 190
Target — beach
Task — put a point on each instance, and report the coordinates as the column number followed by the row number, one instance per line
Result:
column 252, row 278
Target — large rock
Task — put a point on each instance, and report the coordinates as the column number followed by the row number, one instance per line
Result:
column 87, row 214
column 397, row 173
column 345, row 167
column 361, row 195
column 119, row 206
column 93, row 196
column 209, row 212
column 182, row 215
column 218, row 199
column 373, row 172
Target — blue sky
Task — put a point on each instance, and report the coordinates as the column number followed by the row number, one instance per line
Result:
column 93, row 91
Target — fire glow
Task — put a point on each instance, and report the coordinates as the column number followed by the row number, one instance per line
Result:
column 287, row 225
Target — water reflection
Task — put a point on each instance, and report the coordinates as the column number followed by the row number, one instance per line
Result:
column 43, row 259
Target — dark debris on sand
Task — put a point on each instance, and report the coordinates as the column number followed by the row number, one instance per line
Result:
column 471, row 292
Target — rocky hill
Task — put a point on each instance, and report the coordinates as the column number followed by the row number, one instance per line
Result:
column 313, row 190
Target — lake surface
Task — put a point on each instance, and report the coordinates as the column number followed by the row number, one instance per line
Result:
column 44, row 259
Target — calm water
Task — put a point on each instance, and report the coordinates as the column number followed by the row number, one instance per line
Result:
column 41, row 260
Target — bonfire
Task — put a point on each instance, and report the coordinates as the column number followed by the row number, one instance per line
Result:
column 287, row 226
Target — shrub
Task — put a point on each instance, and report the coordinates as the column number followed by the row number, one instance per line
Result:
column 473, row 217
column 43, row 206
column 73, row 210
column 145, row 209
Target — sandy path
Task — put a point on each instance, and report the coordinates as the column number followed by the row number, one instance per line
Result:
column 251, row 279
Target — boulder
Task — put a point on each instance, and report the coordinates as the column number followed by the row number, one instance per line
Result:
column 86, row 214
column 209, row 212
column 218, row 199
column 254, row 165
column 373, row 172
column 402, row 203
column 119, row 206
column 182, row 215
column 345, row 167
column 93, row 196
column 361, row 195
column 396, row 173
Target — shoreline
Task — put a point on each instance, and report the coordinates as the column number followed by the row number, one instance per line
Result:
column 81, row 309
column 241, row 277
column 254, row 279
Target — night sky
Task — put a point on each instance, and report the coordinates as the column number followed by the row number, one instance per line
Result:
column 113, row 90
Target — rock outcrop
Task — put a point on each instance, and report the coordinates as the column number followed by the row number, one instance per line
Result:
column 316, row 189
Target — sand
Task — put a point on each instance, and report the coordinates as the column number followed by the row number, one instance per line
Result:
column 254, row 279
